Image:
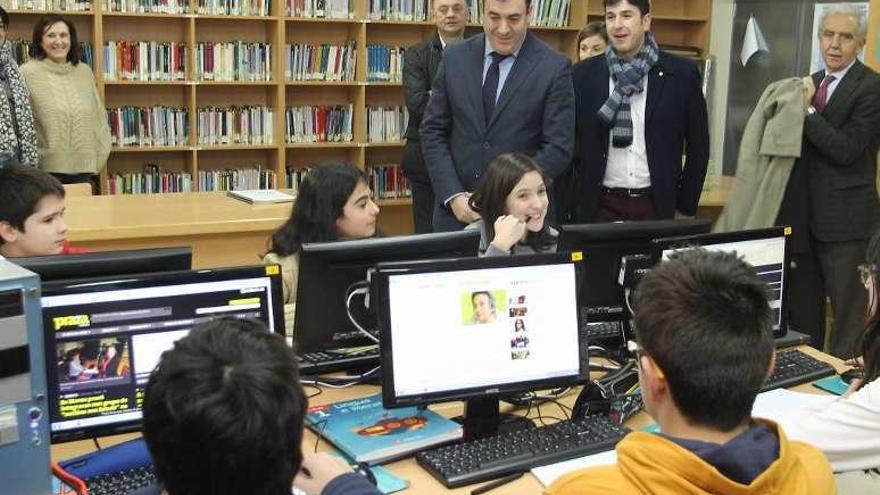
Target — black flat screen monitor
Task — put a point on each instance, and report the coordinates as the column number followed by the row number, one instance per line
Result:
column 327, row 270
column 107, row 263
column 104, row 338
column 603, row 245
column 765, row 249
column 472, row 329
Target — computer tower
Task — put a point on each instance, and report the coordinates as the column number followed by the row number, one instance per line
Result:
column 24, row 430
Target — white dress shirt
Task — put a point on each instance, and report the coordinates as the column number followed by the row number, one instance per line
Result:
column 628, row 167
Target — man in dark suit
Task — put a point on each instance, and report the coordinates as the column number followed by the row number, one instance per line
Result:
column 419, row 68
column 498, row 92
column 841, row 139
column 638, row 109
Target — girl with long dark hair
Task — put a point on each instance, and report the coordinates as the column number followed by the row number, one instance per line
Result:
column 334, row 203
column 512, row 200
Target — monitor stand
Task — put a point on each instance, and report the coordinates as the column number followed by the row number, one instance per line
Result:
column 482, row 419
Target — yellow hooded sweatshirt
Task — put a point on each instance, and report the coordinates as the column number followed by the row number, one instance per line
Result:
column 651, row 464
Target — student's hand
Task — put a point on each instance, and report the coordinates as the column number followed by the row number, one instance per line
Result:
column 462, row 210
column 856, row 362
column 318, row 470
column 508, row 231
column 681, row 216
column 809, row 91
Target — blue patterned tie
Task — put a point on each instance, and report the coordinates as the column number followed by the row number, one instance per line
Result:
column 490, row 85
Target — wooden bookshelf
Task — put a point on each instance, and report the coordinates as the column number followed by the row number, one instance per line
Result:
column 100, row 25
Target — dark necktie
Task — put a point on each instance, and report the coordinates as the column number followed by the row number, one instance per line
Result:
column 490, row 85
column 820, row 100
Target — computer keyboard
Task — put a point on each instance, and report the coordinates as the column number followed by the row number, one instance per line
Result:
column 480, row 460
column 794, row 367
column 121, row 482
column 600, row 331
column 315, row 363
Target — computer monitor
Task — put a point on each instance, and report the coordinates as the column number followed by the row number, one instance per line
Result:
column 765, row 249
column 107, row 263
column 103, row 338
column 603, row 246
column 327, row 270
column 472, row 329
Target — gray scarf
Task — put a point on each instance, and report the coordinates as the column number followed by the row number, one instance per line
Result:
column 18, row 137
column 628, row 79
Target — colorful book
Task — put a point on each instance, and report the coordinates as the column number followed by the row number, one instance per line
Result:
column 367, row 432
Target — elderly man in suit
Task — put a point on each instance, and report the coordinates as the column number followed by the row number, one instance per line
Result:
column 501, row 91
column 840, row 142
column 419, row 68
column 638, row 109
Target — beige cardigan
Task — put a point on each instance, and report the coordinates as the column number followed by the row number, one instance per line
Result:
column 770, row 145
column 73, row 136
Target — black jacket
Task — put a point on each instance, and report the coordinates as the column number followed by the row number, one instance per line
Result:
column 419, row 68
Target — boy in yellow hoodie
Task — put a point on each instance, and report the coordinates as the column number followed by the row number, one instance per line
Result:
column 703, row 326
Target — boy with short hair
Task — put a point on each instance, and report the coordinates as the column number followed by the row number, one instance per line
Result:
column 223, row 415
column 32, row 214
column 703, row 326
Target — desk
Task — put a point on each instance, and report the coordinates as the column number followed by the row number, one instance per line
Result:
column 420, row 481
column 226, row 232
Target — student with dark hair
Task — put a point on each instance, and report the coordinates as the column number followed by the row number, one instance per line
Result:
column 702, row 322
column 848, row 429
column 592, row 40
column 334, row 202
column 18, row 138
column 223, row 414
column 73, row 136
column 511, row 199
column 32, row 214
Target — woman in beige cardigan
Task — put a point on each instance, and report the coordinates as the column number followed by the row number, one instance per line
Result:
column 73, row 137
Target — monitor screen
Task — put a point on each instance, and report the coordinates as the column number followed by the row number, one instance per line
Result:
column 103, row 339
column 327, row 270
column 603, row 245
column 764, row 249
column 479, row 327
column 107, row 263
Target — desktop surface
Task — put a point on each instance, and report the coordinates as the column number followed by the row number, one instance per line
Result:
column 420, row 481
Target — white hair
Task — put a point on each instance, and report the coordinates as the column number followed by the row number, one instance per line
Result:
column 849, row 9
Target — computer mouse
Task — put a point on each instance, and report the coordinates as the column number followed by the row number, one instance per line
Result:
column 849, row 375
column 363, row 469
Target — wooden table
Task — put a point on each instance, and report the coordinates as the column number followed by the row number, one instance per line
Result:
column 420, row 481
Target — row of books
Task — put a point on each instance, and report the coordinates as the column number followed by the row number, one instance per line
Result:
column 233, row 61
column 23, row 51
column 65, row 5
column 232, row 179
column 151, row 180
column 551, row 13
column 388, row 182
column 303, row 62
column 147, row 6
column 236, row 125
column 148, row 126
column 317, row 124
column 384, row 63
column 234, row 7
column 386, row 123
column 398, row 10
column 320, row 9
column 144, row 61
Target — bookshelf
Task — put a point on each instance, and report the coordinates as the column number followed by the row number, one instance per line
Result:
column 105, row 21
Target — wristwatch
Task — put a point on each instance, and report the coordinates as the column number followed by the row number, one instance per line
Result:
column 811, row 110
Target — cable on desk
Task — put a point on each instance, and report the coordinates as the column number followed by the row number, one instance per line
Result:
column 358, row 288
column 338, row 382
column 318, row 390
column 97, row 445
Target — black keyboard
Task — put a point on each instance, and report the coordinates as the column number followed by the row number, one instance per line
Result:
column 122, row 482
column 480, row 460
column 794, row 367
column 315, row 363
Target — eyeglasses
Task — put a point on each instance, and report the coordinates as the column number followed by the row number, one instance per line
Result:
column 457, row 9
column 866, row 271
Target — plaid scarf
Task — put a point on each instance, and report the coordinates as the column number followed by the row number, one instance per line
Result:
column 18, row 137
column 629, row 79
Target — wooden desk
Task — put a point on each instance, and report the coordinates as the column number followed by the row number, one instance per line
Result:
column 420, row 481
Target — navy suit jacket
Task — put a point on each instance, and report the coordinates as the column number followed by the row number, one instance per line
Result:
column 534, row 115
column 676, row 121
